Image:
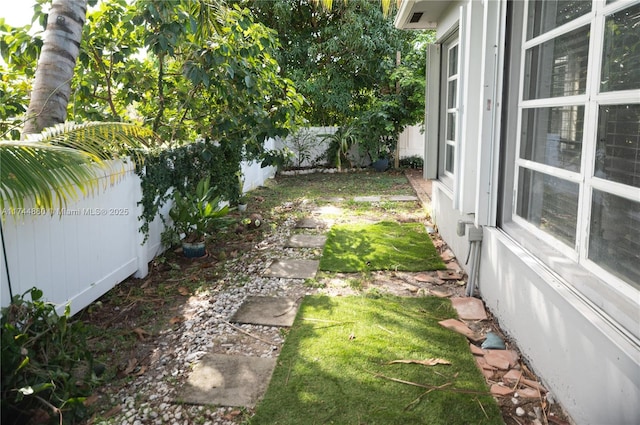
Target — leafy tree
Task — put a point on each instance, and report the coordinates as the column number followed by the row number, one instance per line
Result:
column 186, row 69
column 354, row 68
column 341, row 58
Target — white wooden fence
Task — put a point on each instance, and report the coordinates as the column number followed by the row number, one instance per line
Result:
column 308, row 146
column 82, row 251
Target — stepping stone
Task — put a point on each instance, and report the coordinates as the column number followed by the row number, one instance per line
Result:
column 328, row 210
column 403, row 198
column 293, row 269
column 267, row 311
column 224, row 380
column 367, row 199
column 469, row 308
column 306, row 241
column 310, row 223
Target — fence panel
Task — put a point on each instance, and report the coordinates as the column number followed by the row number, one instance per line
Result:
column 84, row 250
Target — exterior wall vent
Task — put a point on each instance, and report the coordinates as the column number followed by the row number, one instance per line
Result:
column 415, row 17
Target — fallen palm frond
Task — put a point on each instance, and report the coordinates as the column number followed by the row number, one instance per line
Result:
column 428, row 362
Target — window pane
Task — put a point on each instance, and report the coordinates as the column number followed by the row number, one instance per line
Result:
column 618, row 149
column 553, row 136
column 558, row 67
column 614, row 240
column 453, row 61
column 451, row 126
column 549, row 203
column 621, row 53
column 448, row 157
column 452, row 90
column 545, row 15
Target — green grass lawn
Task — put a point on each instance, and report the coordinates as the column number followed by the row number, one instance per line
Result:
column 381, row 246
column 335, row 367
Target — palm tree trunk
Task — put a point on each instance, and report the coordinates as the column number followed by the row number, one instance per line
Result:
column 52, row 84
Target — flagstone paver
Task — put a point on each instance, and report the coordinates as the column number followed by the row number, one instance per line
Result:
column 310, row 223
column 469, row 308
column 306, row 241
column 227, row 380
column 267, row 311
column 403, row 198
column 367, row 199
column 293, row 269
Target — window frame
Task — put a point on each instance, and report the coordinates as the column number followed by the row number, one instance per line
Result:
column 445, row 176
column 570, row 263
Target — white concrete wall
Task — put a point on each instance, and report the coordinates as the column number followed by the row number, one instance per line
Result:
column 591, row 367
column 411, row 142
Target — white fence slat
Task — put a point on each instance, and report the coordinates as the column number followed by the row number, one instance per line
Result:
column 77, row 257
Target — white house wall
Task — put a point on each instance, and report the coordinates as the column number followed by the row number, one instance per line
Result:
column 584, row 357
column 591, row 367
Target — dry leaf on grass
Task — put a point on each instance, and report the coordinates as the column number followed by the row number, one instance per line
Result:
column 141, row 372
column 131, row 366
column 183, row 290
column 141, row 333
column 176, row 319
column 231, row 415
column 428, row 362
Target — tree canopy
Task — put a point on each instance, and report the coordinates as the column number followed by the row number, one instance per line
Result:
column 186, row 69
column 342, row 59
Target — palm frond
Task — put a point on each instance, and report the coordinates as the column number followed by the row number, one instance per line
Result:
column 101, row 140
column 64, row 161
column 45, row 173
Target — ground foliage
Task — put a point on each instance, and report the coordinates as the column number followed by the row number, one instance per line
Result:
column 47, row 368
column 123, row 328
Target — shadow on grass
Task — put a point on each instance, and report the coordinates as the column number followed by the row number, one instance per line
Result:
column 334, row 367
column 384, row 245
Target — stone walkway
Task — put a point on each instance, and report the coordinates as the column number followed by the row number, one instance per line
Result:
column 240, row 380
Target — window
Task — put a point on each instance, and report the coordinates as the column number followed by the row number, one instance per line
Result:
column 575, row 180
column 450, row 113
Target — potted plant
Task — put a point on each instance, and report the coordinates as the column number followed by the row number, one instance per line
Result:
column 196, row 214
column 243, row 201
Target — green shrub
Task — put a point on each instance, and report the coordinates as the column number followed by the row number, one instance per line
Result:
column 47, row 369
column 414, row 161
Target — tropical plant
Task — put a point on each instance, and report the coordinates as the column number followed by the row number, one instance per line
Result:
column 340, row 144
column 47, row 368
column 199, row 213
column 51, row 167
column 301, row 145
